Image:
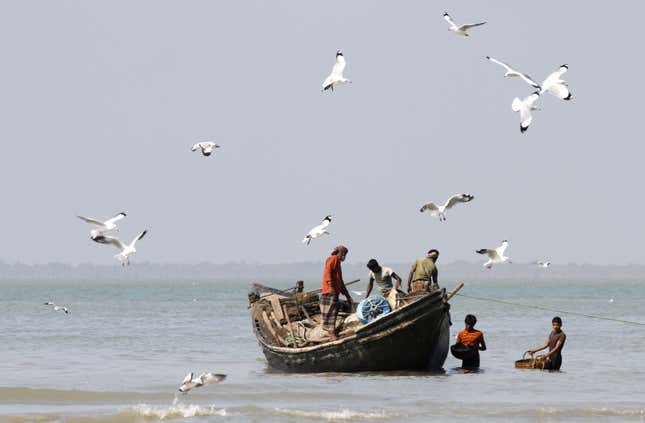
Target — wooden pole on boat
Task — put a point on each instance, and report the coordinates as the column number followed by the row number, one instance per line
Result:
column 454, row 291
column 304, row 310
column 293, row 336
column 318, row 291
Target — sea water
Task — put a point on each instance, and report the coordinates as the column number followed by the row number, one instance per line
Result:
column 124, row 348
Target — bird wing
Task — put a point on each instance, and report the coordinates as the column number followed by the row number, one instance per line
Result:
column 91, row 221
column 430, row 206
column 554, row 77
column 316, row 230
column 208, row 378
column 323, row 225
column 339, row 66
column 499, row 62
column 116, row 218
column 458, row 198
column 531, row 99
column 448, row 19
column 508, row 68
column 560, row 90
column 528, row 80
column 502, row 248
column 471, row 25
column 105, row 239
column 188, row 378
column 492, row 254
column 525, row 118
column 138, row 237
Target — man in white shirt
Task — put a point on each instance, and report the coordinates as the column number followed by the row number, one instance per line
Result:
column 382, row 276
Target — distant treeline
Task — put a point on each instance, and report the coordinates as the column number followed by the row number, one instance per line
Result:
column 310, row 272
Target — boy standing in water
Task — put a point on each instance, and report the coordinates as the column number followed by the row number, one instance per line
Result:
column 555, row 343
column 474, row 340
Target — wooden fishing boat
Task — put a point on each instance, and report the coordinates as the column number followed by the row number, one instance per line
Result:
column 414, row 336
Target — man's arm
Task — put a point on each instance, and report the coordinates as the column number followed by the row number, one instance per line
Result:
column 482, row 343
column 414, row 267
column 398, row 280
column 345, row 292
column 370, row 284
column 540, row 348
column 435, row 276
column 557, row 347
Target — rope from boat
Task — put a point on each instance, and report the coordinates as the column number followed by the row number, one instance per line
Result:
column 591, row 316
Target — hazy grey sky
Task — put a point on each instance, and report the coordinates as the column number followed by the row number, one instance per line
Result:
column 95, row 91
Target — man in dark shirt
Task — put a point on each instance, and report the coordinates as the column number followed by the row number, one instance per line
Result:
column 555, row 343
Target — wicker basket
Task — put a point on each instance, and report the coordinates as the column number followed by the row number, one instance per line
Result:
column 530, row 363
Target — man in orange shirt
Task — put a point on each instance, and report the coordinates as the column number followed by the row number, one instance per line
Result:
column 474, row 340
column 332, row 286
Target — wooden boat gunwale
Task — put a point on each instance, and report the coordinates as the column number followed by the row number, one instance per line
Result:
column 363, row 333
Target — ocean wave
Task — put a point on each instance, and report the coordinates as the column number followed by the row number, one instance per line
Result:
column 593, row 411
column 174, row 411
column 336, row 415
column 151, row 413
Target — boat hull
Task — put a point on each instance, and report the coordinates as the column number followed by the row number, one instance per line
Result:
column 414, row 337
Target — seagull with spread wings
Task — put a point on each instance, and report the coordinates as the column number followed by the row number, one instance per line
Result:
column 57, row 307
column 206, row 147
column 460, row 29
column 556, row 85
column 440, row 210
column 336, row 77
column 510, row 72
column 125, row 250
column 525, row 108
column 495, row 256
column 191, row 382
column 102, row 227
column 318, row 231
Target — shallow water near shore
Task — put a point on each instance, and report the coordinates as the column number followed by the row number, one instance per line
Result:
column 123, row 349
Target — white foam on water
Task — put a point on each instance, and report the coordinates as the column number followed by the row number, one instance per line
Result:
column 176, row 411
column 593, row 411
column 337, row 415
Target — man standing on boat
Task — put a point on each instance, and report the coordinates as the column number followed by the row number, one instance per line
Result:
column 383, row 277
column 332, row 286
column 555, row 343
column 423, row 275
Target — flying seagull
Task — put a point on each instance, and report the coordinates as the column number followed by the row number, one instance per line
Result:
column 57, row 307
column 102, row 227
column 460, row 29
column 556, row 85
column 544, row 264
column 318, row 231
column 440, row 211
column 495, row 256
column 525, row 107
column 336, row 77
column 510, row 72
column 125, row 250
column 204, row 379
column 206, row 147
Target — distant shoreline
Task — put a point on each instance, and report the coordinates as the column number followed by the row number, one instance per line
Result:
column 311, row 271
